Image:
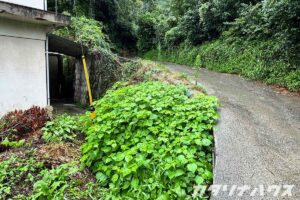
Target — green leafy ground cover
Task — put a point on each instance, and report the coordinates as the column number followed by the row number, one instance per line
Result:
column 152, row 139
column 62, row 128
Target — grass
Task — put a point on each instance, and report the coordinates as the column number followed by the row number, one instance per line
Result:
column 255, row 60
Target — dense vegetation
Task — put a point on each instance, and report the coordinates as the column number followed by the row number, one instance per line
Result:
column 259, row 39
column 35, row 164
column 152, row 139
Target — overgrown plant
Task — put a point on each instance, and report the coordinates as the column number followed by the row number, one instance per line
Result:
column 18, row 171
column 256, row 60
column 62, row 128
column 86, row 30
column 14, row 144
column 62, row 183
column 151, row 141
column 54, row 183
column 15, row 125
column 24, row 177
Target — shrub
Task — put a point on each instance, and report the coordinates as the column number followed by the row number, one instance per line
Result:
column 62, row 128
column 20, row 122
column 129, row 68
column 151, row 141
column 174, row 36
column 256, row 60
column 293, row 80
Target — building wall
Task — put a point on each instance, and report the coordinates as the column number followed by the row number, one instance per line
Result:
column 39, row 4
column 23, row 81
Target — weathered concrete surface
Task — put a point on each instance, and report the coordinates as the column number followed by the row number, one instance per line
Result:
column 64, row 108
column 258, row 137
column 23, row 80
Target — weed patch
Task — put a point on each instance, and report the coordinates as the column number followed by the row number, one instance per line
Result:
column 151, row 141
column 62, row 128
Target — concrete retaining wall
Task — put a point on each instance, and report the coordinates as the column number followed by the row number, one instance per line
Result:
column 104, row 71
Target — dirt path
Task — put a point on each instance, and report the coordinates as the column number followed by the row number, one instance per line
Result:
column 258, row 137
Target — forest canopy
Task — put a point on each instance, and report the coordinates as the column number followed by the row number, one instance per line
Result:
column 172, row 22
column 162, row 28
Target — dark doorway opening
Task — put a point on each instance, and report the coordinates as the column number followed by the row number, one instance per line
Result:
column 61, row 78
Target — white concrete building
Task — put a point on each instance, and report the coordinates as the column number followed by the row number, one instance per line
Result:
column 24, row 70
column 38, row 4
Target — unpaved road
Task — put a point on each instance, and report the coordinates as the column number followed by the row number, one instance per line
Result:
column 258, row 136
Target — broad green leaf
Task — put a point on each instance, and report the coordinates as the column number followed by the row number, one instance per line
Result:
column 101, row 177
column 198, row 142
column 119, row 157
column 135, row 183
column 114, row 178
column 206, row 142
column 199, row 180
column 192, row 167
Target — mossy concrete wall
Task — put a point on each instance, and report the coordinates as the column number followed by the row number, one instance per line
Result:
column 104, row 71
